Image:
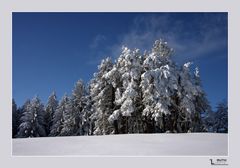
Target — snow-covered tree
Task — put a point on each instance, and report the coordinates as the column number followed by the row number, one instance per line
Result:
column 221, row 118
column 50, row 110
column 24, row 106
column 86, row 122
column 57, row 124
column 138, row 93
column 15, row 119
column 187, row 98
column 208, row 121
column 32, row 120
column 201, row 103
column 76, row 114
column 216, row 121
column 78, row 96
column 159, row 84
column 102, row 93
column 69, row 125
column 193, row 102
column 128, row 95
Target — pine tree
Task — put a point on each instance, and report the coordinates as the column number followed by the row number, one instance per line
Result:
column 186, row 95
column 78, row 96
column 128, row 95
column 87, row 125
column 102, row 93
column 21, row 111
column 201, row 104
column 216, row 121
column 69, row 125
column 159, row 84
column 50, row 110
column 138, row 93
column 221, row 118
column 57, row 124
column 208, row 119
column 15, row 119
column 32, row 121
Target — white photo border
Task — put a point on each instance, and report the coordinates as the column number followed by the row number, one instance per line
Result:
column 6, row 9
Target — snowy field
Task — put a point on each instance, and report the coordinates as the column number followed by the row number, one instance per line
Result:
column 191, row 144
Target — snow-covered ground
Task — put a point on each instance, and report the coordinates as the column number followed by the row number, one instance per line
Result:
column 190, row 144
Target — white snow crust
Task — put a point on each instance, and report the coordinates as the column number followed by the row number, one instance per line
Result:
column 185, row 144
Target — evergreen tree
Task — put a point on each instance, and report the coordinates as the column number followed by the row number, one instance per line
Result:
column 87, row 125
column 102, row 93
column 221, row 118
column 216, row 121
column 208, row 121
column 78, row 96
column 32, row 120
column 186, row 95
column 50, row 110
column 128, row 95
column 69, row 125
column 201, row 103
column 159, row 84
column 138, row 93
column 57, row 124
column 15, row 119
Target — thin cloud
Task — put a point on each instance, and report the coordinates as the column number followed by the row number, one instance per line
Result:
column 190, row 41
column 97, row 49
column 98, row 40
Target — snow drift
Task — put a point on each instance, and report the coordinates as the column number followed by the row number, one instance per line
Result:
column 185, row 144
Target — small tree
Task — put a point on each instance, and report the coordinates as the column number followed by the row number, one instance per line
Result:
column 58, row 120
column 32, row 121
column 87, row 124
column 221, row 118
column 202, row 107
column 186, row 98
column 77, row 100
column 50, row 110
column 15, row 119
column 69, row 120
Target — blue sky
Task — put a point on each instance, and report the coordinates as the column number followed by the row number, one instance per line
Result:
column 51, row 51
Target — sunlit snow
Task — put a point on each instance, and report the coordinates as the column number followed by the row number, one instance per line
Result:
column 191, row 144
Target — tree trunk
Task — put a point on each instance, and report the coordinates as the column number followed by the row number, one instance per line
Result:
column 115, row 123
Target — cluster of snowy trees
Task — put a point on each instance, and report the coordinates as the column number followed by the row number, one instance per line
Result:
column 217, row 121
column 68, row 117
column 138, row 93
